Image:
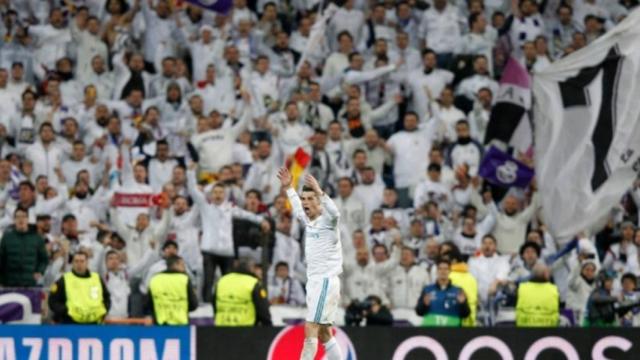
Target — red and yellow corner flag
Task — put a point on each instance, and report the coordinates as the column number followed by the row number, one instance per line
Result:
column 297, row 164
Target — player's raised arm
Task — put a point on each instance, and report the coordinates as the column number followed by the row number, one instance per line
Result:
column 328, row 204
column 286, row 180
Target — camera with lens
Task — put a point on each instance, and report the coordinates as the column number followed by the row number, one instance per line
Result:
column 355, row 312
column 606, row 309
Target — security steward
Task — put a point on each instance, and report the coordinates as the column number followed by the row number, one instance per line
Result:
column 240, row 299
column 79, row 296
column 538, row 303
column 172, row 295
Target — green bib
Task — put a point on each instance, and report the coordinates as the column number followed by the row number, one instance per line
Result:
column 234, row 301
column 84, row 298
column 170, row 298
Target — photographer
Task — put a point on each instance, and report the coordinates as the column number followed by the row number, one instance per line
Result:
column 370, row 309
column 601, row 305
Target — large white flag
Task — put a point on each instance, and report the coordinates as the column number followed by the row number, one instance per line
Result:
column 587, row 130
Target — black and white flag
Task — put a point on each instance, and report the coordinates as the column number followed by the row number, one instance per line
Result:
column 587, row 130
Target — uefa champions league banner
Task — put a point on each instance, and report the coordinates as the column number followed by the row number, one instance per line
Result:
column 387, row 343
column 105, row 342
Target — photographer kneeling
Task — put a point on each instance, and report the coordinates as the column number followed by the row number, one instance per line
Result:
column 371, row 309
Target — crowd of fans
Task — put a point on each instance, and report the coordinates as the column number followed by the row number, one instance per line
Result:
column 137, row 130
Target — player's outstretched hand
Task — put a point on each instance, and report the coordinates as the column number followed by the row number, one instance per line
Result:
column 285, row 177
column 311, row 182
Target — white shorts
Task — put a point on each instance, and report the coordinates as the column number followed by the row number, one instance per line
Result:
column 323, row 298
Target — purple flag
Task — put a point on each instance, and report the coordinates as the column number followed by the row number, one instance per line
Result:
column 22, row 306
column 501, row 169
column 221, row 6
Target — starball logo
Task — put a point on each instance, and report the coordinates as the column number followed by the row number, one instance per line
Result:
column 287, row 345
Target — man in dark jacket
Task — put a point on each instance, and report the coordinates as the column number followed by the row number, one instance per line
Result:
column 23, row 256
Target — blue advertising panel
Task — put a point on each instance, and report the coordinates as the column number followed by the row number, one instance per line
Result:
column 105, row 342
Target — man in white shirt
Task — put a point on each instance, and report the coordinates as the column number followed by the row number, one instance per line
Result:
column 427, row 83
column 409, row 148
column 77, row 162
column 407, row 22
column 134, row 182
column 481, row 113
column 287, row 249
column 205, row 52
column 217, row 92
column 407, row 281
column 45, row 155
column 347, row 19
column 160, row 32
column 130, row 75
column 364, row 277
column 98, row 76
column 214, row 145
column 440, row 30
column 17, row 83
column 376, row 27
column 85, row 31
column 489, row 268
column 264, row 87
column 216, row 215
column 262, row 174
column 51, row 41
column 369, row 191
column 560, row 32
column 313, row 111
column 116, row 280
column 469, row 237
column 445, row 116
column 284, row 289
column 161, row 166
column 465, row 151
column 289, row 131
column 480, row 40
column 432, row 189
column 8, row 99
column 411, row 57
column 300, row 37
column 335, row 65
column 511, row 222
column 481, row 79
column 352, row 209
column 141, row 237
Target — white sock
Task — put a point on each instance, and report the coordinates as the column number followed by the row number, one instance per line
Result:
column 309, row 349
column 332, row 349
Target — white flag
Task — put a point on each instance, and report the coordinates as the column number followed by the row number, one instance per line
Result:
column 587, row 130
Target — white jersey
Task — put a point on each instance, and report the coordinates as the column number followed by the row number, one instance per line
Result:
column 322, row 246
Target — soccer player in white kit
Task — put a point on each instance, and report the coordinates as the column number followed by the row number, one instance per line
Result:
column 323, row 252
